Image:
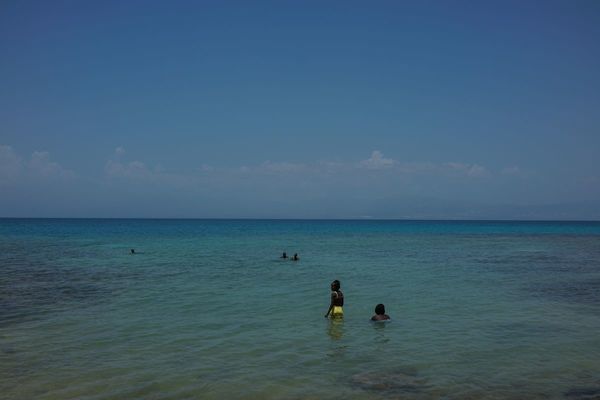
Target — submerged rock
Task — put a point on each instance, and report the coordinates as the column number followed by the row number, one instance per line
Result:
column 389, row 381
column 588, row 393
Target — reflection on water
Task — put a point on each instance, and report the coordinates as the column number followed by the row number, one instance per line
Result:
column 335, row 328
column 380, row 333
column 339, row 348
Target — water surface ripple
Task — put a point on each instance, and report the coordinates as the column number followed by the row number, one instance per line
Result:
column 205, row 309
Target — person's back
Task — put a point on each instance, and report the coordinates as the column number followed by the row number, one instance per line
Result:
column 380, row 314
column 337, row 301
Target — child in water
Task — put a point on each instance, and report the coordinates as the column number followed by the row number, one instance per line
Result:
column 380, row 314
column 337, row 301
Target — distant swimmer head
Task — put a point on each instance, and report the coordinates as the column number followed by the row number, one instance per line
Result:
column 335, row 285
column 284, row 255
column 295, row 258
column 132, row 251
column 380, row 309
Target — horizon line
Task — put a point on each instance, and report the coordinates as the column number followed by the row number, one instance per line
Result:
column 311, row 219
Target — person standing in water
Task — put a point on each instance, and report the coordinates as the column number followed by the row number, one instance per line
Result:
column 337, row 301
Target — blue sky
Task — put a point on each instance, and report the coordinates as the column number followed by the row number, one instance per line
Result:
column 300, row 109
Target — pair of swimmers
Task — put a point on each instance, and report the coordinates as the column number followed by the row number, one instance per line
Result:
column 336, row 309
column 294, row 258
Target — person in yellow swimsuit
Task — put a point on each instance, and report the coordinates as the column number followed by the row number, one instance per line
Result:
column 337, row 301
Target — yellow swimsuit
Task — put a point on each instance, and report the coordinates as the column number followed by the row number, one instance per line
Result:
column 337, row 312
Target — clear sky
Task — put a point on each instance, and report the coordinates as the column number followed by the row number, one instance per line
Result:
column 300, row 109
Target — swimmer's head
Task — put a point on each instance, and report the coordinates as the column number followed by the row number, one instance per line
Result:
column 379, row 309
column 335, row 285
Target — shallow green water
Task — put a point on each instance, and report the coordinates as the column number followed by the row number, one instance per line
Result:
column 206, row 309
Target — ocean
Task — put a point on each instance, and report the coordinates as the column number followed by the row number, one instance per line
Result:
column 207, row 309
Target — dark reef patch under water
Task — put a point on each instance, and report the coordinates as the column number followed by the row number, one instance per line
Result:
column 390, row 382
column 581, row 291
column 31, row 287
column 583, row 393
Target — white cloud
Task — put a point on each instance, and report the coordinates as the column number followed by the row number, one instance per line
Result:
column 280, row 167
column 268, row 168
column 377, row 161
column 14, row 168
column 418, row 168
column 40, row 165
column 329, row 168
column 119, row 151
column 470, row 170
column 133, row 169
column 514, row 170
column 518, row 172
column 477, row 171
column 271, row 174
column 11, row 165
column 137, row 171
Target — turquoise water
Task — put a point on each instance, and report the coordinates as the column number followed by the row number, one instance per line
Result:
column 207, row 310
